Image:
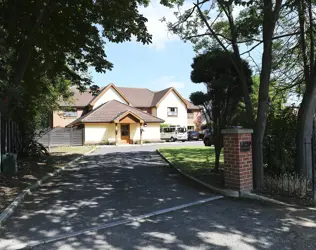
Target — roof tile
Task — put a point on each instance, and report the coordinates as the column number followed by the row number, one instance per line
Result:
column 110, row 110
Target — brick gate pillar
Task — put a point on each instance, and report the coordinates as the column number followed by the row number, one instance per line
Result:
column 238, row 159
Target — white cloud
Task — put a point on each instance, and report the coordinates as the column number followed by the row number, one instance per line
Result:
column 167, row 82
column 154, row 13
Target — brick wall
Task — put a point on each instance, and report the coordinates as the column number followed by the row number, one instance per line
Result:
column 238, row 165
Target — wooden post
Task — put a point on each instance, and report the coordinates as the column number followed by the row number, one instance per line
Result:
column 71, row 136
column 116, row 133
column 49, row 139
column 141, row 133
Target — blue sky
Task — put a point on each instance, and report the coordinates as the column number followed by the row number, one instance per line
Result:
column 136, row 65
column 164, row 63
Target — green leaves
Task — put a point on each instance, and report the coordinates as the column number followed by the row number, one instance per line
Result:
column 50, row 45
column 199, row 98
column 71, row 34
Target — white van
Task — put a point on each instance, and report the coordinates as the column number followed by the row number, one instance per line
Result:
column 174, row 133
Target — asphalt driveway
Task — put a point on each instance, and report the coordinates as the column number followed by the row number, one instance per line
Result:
column 117, row 183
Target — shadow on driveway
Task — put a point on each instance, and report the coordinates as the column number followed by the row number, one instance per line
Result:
column 101, row 188
column 104, row 187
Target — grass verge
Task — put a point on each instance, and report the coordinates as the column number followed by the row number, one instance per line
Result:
column 196, row 161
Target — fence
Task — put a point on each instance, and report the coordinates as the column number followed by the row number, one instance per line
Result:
column 280, row 175
column 10, row 140
column 9, row 136
column 62, row 137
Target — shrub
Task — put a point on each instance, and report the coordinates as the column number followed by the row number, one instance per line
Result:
column 279, row 146
column 107, row 142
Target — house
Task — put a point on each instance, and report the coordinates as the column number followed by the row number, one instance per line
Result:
column 125, row 115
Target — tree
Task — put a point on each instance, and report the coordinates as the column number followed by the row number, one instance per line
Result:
column 294, row 66
column 307, row 109
column 255, row 24
column 216, row 70
column 47, row 45
column 201, row 99
column 66, row 36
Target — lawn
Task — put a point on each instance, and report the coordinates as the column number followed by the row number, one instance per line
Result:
column 196, row 161
column 33, row 169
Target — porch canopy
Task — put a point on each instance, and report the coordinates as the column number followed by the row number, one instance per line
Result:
column 117, row 113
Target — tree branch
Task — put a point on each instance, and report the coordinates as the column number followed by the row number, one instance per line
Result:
column 251, row 49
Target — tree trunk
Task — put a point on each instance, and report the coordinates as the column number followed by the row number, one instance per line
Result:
column 26, row 50
column 218, row 150
column 305, row 130
column 269, row 21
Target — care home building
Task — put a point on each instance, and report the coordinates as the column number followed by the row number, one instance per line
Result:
column 125, row 115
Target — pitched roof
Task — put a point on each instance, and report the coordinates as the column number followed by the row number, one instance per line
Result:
column 159, row 95
column 137, row 97
column 79, row 99
column 110, row 111
column 192, row 106
column 106, row 88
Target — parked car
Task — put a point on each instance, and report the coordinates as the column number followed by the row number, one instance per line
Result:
column 208, row 139
column 202, row 133
column 193, row 135
column 174, row 133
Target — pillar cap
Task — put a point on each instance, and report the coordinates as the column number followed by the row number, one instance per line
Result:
column 237, row 131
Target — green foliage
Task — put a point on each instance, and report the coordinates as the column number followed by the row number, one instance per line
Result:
column 247, row 24
column 199, row 98
column 107, row 142
column 277, row 99
column 279, row 147
column 216, row 70
column 192, row 159
column 68, row 37
column 46, row 46
column 163, row 125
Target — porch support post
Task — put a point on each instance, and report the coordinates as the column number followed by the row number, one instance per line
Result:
column 141, row 133
column 116, row 133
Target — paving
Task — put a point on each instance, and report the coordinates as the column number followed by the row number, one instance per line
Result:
column 117, row 183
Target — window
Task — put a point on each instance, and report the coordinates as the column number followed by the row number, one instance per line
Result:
column 169, row 130
column 190, row 128
column 182, row 130
column 70, row 113
column 172, row 111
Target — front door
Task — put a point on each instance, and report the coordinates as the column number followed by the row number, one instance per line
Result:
column 125, row 133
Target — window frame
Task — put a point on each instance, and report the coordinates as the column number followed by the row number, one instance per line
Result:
column 172, row 113
column 191, row 127
column 67, row 113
